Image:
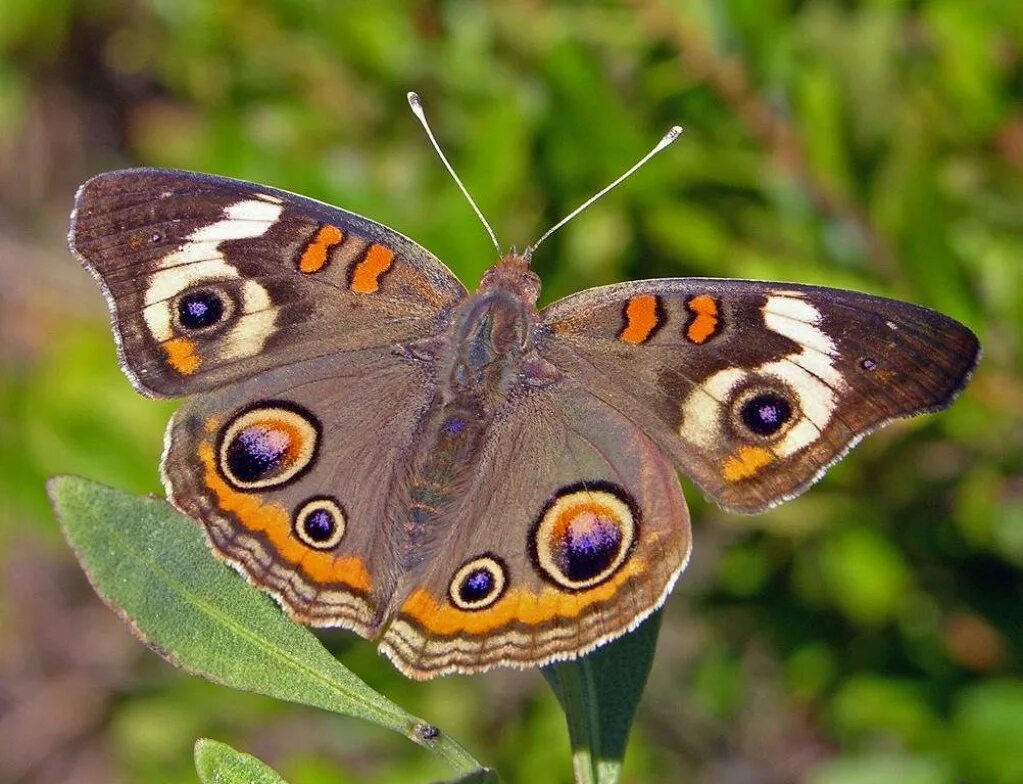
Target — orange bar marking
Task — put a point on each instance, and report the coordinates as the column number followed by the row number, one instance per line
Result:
column 314, row 257
column 181, row 355
column 367, row 273
column 704, row 323
column 642, row 319
column 517, row 605
column 273, row 521
column 747, row 462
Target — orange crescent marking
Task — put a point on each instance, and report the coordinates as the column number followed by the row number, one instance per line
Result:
column 746, row 462
column 641, row 319
column 366, row 274
column 518, row 604
column 181, row 355
column 274, row 522
column 314, row 257
column 705, row 323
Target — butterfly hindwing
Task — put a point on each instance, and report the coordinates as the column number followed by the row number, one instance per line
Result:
column 568, row 528
column 212, row 280
column 756, row 388
column 293, row 476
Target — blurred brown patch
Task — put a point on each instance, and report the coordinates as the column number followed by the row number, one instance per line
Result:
column 62, row 655
column 974, row 643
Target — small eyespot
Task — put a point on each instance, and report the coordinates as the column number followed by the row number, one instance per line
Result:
column 766, row 413
column 155, row 237
column 868, row 363
column 201, row 309
column 478, row 583
column 320, row 523
column 584, row 534
column 268, row 445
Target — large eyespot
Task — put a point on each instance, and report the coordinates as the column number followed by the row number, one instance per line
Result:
column 583, row 535
column 200, row 309
column 764, row 412
column 268, row 445
column 320, row 522
column 478, row 583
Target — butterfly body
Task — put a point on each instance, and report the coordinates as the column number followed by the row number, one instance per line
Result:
column 465, row 478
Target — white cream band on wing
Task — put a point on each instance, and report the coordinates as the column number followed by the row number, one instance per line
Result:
column 242, row 220
column 703, row 409
column 199, row 261
column 809, row 372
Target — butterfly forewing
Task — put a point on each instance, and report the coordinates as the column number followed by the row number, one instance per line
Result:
column 212, row 280
column 756, row 388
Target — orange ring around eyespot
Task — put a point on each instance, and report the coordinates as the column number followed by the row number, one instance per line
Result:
column 601, row 499
column 294, row 424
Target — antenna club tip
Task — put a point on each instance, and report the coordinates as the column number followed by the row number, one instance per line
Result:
column 413, row 99
column 673, row 133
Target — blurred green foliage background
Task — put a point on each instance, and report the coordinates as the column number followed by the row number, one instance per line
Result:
column 868, row 632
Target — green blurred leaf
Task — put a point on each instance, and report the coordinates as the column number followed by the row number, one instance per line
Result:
column 989, row 731
column 599, row 694
column 150, row 564
column 218, row 763
column 872, row 706
column 883, row 769
column 867, row 575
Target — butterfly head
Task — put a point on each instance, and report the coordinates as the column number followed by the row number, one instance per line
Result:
column 512, row 273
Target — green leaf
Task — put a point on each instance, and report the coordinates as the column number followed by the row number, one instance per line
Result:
column 218, row 763
column 599, row 694
column 151, row 565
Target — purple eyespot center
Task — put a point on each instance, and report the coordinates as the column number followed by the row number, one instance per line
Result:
column 477, row 585
column 257, row 451
column 319, row 524
column 765, row 414
column 200, row 309
column 587, row 544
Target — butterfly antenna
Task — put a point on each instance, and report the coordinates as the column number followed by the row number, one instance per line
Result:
column 417, row 110
column 668, row 138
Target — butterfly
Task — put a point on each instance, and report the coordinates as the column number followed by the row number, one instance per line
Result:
column 469, row 480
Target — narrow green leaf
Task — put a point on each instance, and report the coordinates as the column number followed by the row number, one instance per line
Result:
column 599, row 694
column 218, row 763
column 151, row 565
